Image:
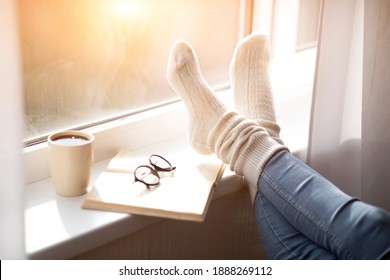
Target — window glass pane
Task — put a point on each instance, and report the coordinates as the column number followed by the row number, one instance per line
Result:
column 86, row 60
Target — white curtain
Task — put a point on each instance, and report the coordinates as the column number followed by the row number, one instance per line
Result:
column 11, row 131
column 347, row 143
column 376, row 104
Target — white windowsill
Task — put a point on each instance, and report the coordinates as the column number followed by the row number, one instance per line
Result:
column 57, row 228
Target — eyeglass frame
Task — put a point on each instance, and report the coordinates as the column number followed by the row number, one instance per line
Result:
column 154, row 169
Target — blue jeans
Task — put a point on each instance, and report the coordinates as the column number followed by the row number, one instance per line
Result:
column 301, row 215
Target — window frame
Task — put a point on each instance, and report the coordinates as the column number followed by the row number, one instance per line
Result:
column 156, row 127
column 152, row 124
column 168, row 120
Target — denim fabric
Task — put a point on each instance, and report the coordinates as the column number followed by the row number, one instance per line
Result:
column 301, row 215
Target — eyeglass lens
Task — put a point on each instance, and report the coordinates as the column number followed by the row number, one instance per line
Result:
column 147, row 175
column 160, row 163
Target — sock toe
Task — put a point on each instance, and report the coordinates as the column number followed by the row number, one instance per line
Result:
column 181, row 51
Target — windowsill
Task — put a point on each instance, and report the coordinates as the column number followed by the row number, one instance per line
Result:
column 57, row 228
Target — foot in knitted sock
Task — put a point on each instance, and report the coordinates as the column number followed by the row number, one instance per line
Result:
column 243, row 144
column 203, row 108
column 251, row 86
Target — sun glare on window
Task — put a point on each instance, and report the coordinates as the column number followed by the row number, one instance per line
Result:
column 125, row 7
column 89, row 60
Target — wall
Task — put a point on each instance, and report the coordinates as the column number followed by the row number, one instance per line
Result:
column 228, row 232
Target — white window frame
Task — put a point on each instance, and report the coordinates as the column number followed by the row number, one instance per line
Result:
column 131, row 132
column 160, row 125
column 292, row 89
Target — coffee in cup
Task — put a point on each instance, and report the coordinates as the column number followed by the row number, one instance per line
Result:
column 71, row 161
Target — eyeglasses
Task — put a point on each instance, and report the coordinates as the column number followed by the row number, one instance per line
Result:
column 148, row 174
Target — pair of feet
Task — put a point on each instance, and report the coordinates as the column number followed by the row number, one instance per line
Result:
column 245, row 141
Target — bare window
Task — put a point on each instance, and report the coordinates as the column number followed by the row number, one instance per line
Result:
column 89, row 60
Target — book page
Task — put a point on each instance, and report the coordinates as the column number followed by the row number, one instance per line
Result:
column 181, row 194
column 126, row 162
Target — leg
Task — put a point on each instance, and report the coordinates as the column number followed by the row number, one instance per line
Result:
column 251, row 86
column 280, row 239
column 345, row 226
column 203, row 109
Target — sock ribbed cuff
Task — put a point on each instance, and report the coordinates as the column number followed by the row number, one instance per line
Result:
column 244, row 145
column 272, row 128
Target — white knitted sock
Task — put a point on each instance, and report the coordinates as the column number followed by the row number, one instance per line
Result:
column 203, row 108
column 244, row 145
column 249, row 71
column 237, row 141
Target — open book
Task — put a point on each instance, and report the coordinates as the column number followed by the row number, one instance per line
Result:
column 184, row 193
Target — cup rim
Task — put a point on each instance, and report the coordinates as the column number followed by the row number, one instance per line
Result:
column 57, row 135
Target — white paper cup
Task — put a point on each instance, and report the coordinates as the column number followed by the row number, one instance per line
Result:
column 71, row 161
